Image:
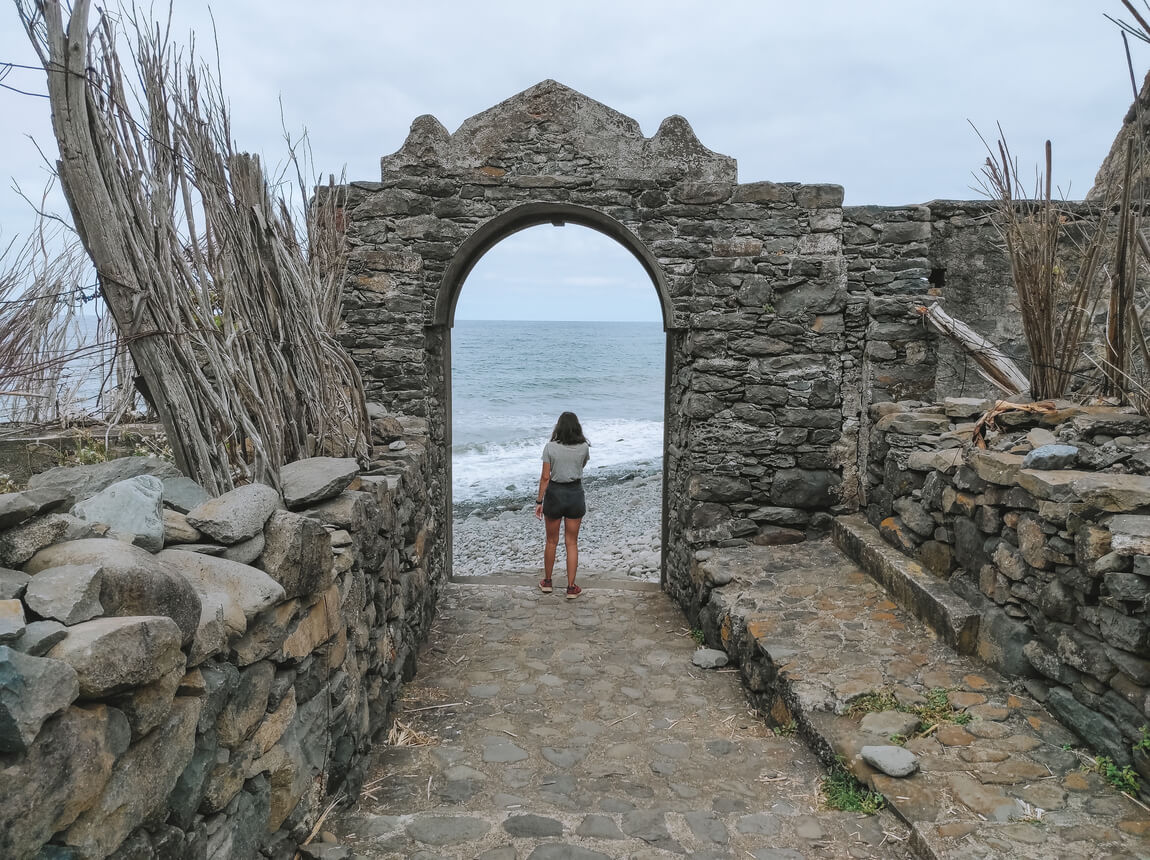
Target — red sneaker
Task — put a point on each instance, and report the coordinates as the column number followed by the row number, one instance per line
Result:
column 573, row 591
column 545, row 586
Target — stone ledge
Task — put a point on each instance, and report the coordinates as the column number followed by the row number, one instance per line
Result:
column 924, row 596
column 811, row 635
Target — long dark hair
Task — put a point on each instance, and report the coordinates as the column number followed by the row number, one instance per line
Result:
column 568, row 430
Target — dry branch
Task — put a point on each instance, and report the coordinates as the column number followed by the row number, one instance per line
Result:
column 992, row 364
column 229, row 314
column 51, row 355
column 1055, row 311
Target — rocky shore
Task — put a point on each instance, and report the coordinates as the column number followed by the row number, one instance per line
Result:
column 619, row 536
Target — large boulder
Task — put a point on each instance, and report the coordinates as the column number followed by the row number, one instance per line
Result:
column 69, row 594
column 134, row 582
column 237, row 515
column 85, row 481
column 32, row 689
column 306, row 482
column 131, row 508
column 247, row 590
column 114, row 654
column 60, row 776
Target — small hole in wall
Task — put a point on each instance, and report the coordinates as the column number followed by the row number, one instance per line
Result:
column 937, row 277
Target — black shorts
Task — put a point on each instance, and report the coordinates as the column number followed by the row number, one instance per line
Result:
column 564, row 500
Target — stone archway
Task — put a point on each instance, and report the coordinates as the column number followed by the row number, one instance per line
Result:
column 750, row 278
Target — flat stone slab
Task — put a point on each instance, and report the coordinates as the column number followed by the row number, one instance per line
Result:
column 84, row 481
column 447, row 829
column 306, row 482
column 997, row 467
column 1130, row 534
column 1105, row 491
column 947, row 460
column 911, row 586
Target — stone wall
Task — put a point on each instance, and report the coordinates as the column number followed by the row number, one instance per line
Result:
column 750, row 278
column 185, row 677
column 1047, row 533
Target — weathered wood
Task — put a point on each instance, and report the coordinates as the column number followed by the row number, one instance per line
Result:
column 229, row 321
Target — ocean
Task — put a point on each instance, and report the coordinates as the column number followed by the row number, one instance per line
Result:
column 511, row 380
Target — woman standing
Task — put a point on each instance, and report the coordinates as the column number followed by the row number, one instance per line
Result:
column 561, row 497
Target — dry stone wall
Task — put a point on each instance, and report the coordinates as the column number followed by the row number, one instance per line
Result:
column 1047, row 534
column 199, row 698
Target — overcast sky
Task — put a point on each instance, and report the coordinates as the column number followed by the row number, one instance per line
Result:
column 872, row 95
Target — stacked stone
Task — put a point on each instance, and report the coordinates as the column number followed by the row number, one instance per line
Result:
column 187, row 677
column 1053, row 551
column 887, row 251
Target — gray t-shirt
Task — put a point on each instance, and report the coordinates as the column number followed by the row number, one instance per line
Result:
column 567, row 461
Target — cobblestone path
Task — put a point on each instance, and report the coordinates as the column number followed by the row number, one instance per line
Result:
column 580, row 729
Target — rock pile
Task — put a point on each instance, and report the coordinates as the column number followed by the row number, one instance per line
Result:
column 1046, row 532
column 186, row 676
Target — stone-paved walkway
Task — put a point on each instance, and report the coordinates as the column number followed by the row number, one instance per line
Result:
column 1008, row 783
column 580, row 729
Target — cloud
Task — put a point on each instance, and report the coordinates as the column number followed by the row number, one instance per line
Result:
column 874, row 96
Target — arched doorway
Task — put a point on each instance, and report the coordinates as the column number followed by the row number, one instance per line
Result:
column 750, row 280
column 555, row 316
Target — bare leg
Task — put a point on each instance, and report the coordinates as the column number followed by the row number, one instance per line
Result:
column 571, row 544
column 550, row 546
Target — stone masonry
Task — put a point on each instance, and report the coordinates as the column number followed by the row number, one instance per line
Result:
column 750, row 278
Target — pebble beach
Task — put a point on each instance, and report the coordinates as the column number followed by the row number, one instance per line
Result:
column 619, row 537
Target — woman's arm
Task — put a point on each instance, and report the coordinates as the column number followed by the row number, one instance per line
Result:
column 544, row 480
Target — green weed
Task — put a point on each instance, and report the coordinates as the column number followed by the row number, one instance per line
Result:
column 698, row 636
column 787, row 729
column 1143, row 743
column 1122, row 778
column 873, row 702
column 937, row 708
column 842, row 791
